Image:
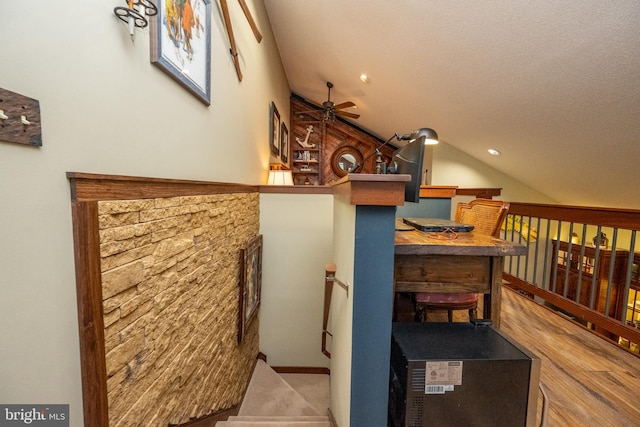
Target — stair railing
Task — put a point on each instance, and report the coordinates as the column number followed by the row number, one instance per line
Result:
column 581, row 262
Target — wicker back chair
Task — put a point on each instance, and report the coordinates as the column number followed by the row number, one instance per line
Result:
column 487, row 217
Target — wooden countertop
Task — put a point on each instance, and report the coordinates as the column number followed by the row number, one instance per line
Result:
column 416, row 242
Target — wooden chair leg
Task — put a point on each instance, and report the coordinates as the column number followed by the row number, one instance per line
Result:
column 450, row 315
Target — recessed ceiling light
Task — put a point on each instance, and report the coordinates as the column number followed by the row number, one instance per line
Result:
column 364, row 78
column 494, row 152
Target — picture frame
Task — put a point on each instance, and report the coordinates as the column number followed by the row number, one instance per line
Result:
column 250, row 284
column 184, row 56
column 274, row 128
column 284, row 144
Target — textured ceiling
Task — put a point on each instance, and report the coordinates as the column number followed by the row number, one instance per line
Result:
column 554, row 85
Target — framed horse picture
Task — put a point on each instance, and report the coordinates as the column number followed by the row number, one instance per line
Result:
column 250, row 283
column 181, row 44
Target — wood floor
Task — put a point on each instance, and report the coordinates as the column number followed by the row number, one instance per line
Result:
column 589, row 382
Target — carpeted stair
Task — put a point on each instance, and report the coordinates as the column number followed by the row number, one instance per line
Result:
column 270, row 402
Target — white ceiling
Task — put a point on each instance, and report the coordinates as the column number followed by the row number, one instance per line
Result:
column 553, row 84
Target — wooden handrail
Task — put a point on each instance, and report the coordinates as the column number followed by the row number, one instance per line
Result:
column 329, row 277
column 329, row 280
column 606, row 217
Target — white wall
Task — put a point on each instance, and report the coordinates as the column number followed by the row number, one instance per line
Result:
column 106, row 109
column 453, row 167
column 297, row 244
column 341, row 315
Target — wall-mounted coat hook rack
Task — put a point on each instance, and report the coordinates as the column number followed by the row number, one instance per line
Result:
column 19, row 119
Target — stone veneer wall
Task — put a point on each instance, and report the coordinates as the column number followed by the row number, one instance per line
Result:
column 170, row 288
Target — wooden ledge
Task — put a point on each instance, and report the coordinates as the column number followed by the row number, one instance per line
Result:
column 371, row 189
column 438, row 191
column 481, row 193
column 94, row 187
column 296, row 189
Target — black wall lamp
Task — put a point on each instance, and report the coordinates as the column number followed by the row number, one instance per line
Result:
column 134, row 14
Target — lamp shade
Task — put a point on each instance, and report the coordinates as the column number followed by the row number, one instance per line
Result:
column 280, row 177
column 430, row 136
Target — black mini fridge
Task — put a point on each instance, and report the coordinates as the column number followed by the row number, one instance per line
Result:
column 460, row 374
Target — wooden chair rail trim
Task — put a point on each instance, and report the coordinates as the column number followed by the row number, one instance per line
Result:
column 96, row 187
column 576, row 309
column 296, row 189
column 426, row 191
column 607, row 217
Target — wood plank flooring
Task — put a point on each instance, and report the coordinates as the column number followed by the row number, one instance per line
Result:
column 589, row 382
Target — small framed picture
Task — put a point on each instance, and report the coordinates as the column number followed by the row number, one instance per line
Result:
column 284, row 144
column 274, row 139
column 250, row 284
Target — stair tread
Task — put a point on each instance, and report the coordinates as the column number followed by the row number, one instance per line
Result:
column 268, row 394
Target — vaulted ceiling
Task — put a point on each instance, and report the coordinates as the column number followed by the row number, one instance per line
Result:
column 553, row 84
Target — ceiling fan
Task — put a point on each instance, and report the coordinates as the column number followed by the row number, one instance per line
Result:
column 331, row 110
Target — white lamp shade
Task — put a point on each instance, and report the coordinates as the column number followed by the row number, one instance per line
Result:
column 280, row 177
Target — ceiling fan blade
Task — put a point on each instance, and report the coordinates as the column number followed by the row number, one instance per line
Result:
column 347, row 104
column 347, row 114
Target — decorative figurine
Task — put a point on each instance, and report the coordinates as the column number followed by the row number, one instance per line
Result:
column 305, row 143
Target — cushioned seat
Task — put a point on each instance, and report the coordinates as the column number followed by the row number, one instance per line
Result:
column 446, row 301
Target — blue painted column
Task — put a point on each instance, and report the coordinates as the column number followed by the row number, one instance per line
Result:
column 364, row 247
column 372, row 313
